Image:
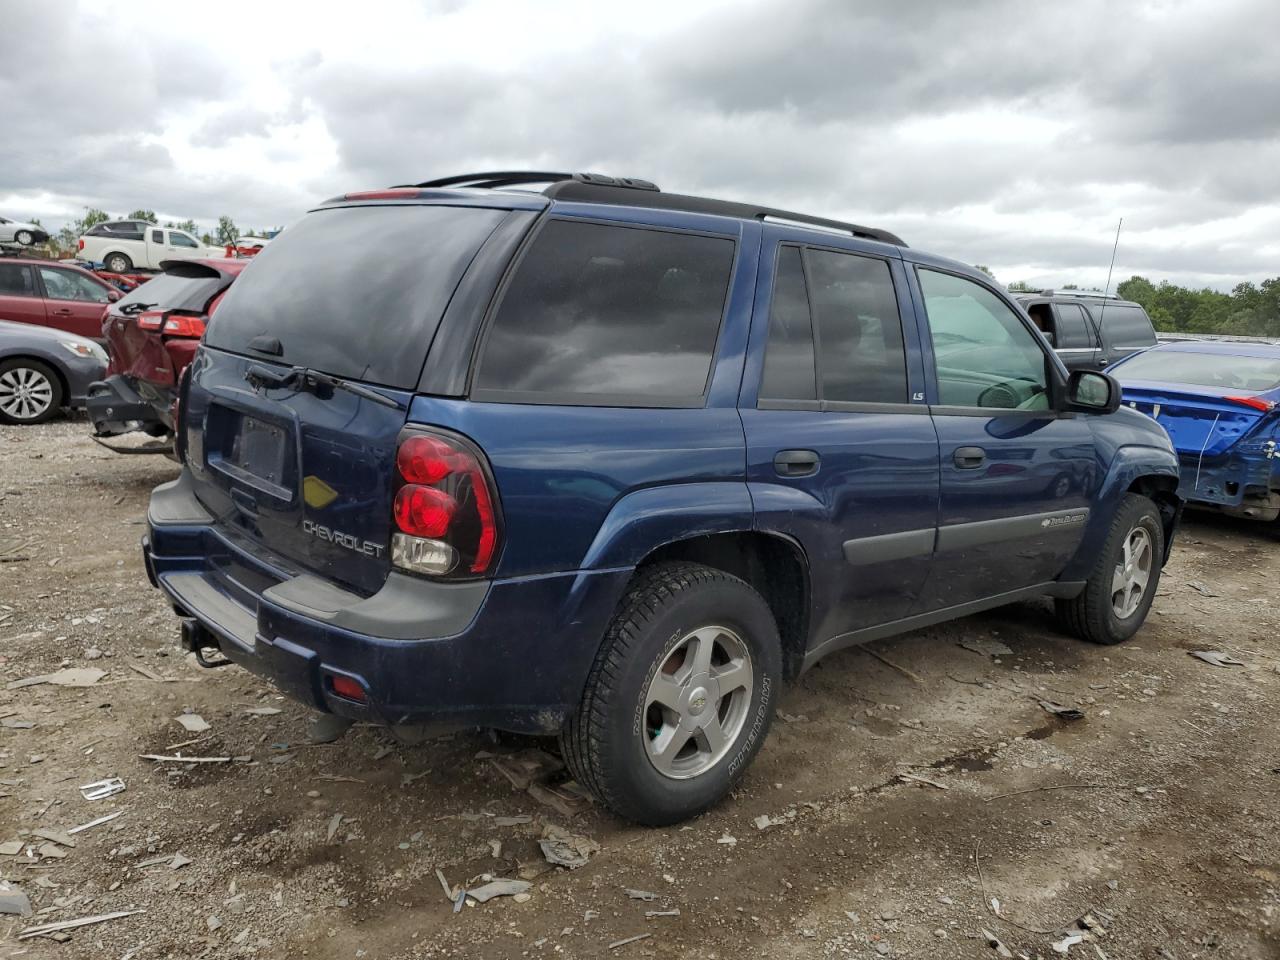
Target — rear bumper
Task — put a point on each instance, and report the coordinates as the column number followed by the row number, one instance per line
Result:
column 1235, row 484
column 512, row 654
column 115, row 407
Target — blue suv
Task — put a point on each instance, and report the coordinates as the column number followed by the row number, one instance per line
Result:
column 614, row 464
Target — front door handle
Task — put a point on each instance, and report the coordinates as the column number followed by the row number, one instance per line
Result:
column 796, row 463
column 969, row 458
column 62, row 312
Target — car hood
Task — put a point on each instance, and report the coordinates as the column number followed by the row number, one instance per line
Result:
column 32, row 333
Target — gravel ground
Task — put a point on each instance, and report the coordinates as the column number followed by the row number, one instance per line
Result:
column 1153, row 817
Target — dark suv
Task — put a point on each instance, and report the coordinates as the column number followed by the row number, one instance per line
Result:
column 1089, row 330
column 614, row 464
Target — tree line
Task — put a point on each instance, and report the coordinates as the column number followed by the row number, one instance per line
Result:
column 1250, row 310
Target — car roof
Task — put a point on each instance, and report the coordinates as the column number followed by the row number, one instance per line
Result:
column 38, row 262
column 1231, row 348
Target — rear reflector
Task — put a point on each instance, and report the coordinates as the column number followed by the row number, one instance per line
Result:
column 346, row 687
column 1266, row 406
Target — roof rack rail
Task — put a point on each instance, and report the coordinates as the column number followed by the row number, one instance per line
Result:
column 632, row 192
column 1084, row 294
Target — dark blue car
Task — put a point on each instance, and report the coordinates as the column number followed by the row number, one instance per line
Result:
column 1220, row 403
column 604, row 462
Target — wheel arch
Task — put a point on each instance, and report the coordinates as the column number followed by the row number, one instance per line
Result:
column 1162, row 490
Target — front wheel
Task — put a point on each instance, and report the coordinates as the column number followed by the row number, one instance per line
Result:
column 1122, row 585
column 29, row 392
column 24, row 237
column 680, row 697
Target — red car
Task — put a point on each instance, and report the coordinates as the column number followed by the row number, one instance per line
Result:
column 152, row 334
column 52, row 294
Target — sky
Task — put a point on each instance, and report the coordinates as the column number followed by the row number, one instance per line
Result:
column 1009, row 134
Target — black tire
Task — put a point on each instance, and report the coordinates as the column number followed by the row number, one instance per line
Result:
column 118, row 263
column 1092, row 615
column 606, row 742
column 24, row 237
column 43, row 394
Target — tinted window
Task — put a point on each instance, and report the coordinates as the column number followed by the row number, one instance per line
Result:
column 169, row 291
column 607, row 311
column 124, row 230
column 788, row 359
column 984, row 355
column 859, row 332
column 1072, row 333
column 355, row 291
column 66, row 285
column 15, row 280
column 157, row 236
column 1126, row 325
column 1226, row 371
column 181, row 240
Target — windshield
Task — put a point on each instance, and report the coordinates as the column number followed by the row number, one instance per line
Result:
column 1204, row 369
column 355, row 291
column 170, row 292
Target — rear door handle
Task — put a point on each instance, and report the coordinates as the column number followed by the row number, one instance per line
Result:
column 969, row 458
column 796, row 463
column 63, row 312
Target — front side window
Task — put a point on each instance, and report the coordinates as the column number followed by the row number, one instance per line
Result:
column 602, row 311
column 984, row 355
column 181, row 240
column 861, row 355
column 15, row 280
column 65, row 285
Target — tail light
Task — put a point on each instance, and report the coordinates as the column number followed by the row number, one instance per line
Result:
column 80, row 244
column 446, row 511
column 150, row 320
column 183, row 326
column 1266, row 406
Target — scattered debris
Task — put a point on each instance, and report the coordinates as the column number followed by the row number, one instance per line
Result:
column 645, row 895
column 56, row 836
column 1201, row 588
column 1216, row 657
column 790, row 718
column 179, row 758
column 913, row 677
column 728, row 840
column 50, row 851
column 925, row 780
column 994, row 943
column 566, row 849
column 1058, row 786
column 70, row 677
column 48, row 928
column 623, row 943
column 1066, row 943
column 100, row 789
column 151, row 674
column 764, row 822
column 193, row 722
column 262, row 711
column 523, row 768
column 566, row 799
column 512, row 821
column 13, row 901
column 1058, row 710
column 651, row 914
column 334, row 823
column 10, row 848
column 94, row 823
column 987, row 647
column 498, row 888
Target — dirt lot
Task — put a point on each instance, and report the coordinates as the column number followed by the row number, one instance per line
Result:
column 1156, row 814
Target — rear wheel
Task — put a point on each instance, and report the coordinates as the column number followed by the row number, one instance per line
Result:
column 118, row 263
column 24, row 237
column 680, row 697
column 30, row 392
column 1118, row 595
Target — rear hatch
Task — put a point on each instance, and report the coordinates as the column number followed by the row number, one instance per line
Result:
column 302, row 387
column 134, row 325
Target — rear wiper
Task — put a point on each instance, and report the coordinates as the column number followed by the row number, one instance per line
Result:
column 129, row 309
column 304, row 378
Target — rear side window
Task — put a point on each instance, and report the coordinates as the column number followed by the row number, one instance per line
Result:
column 157, row 236
column 789, row 371
column 15, row 280
column 1126, row 325
column 357, row 292
column 1072, row 332
column 609, row 314
column 859, row 349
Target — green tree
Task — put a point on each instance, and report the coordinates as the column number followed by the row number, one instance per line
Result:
column 187, row 226
column 985, row 269
column 1020, row 286
column 227, row 231
column 147, row 215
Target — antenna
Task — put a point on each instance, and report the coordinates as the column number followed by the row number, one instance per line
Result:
column 1107, row 289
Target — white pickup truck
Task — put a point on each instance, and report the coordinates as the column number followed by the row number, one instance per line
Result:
column 124, row 245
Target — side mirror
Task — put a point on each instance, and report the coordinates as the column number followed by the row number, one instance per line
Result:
column 1093, row 392
column 113, row 296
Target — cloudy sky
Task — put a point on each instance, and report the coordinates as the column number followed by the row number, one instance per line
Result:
column 1012, row 134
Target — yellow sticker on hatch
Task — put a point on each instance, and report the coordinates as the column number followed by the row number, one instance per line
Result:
column 317, row 493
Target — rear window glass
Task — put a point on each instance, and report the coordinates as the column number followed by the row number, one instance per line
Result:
column 1203, row 369
column 1125, row 325
column 608, row 312
column 170, row 292
column 355, row 291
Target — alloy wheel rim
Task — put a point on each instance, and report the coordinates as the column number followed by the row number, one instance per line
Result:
column 25, row 393
column 697, row 702
column 1132, row 574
